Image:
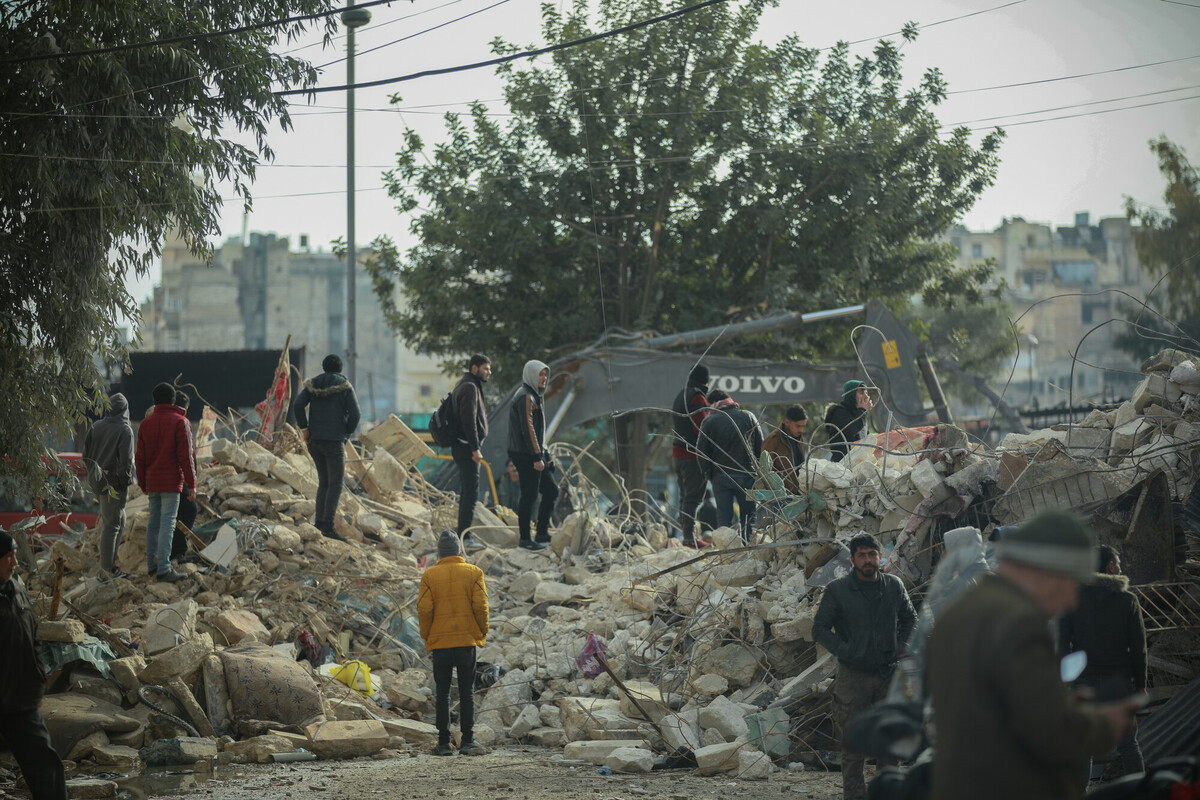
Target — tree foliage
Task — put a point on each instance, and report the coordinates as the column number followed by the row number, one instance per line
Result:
column 675, row 178
column 101, row 154
column 1168, row 247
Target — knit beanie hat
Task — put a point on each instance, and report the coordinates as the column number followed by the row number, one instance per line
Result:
column 1056, row 541
column 698, row 376
column 7, row 545
column 448, row 544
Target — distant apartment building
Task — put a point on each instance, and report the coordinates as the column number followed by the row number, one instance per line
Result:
column 259, row 291
column 1066, row 285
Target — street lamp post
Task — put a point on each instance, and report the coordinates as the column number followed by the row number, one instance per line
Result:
column 353, row 18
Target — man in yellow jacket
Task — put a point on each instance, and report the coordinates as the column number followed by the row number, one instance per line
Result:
column 452, row 608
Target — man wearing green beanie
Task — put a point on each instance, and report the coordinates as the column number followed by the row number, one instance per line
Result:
column 846, row 421
column 1007, row 726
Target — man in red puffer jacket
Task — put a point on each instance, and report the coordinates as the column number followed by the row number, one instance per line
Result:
column 164, row 470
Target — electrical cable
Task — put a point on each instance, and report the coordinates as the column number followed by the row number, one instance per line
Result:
column 511, row 57
column 120, row 48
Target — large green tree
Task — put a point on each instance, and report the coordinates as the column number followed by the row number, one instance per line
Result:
column 673, row 178
column 100, row 154
column 1168, row 247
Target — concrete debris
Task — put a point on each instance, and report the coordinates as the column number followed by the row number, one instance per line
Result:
column 715, row 646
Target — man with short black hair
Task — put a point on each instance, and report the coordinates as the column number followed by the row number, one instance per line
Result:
column 164, row 470
column 470, row 413
column 334, row 414
column 1007, row 726
column 786, row 446
column 864, row 620
column 689, row 410
column 1107, row 625
column 22, row 683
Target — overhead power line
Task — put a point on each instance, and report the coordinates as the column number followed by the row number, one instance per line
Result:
column 512, row 57
column 191, row 37
column 1073, row 77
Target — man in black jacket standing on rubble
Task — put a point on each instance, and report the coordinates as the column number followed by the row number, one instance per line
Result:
column 471, row 423
column 21, row 685
column 729, row 443
column 332, row 418
column 864, row 620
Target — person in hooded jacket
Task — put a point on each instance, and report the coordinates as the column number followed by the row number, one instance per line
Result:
column 846, row 421
column 331, row 418
column 527, row 449
column 689, row 410
column 22, row 683
column 108, row 455
column 729, row 443
column 1107, row 625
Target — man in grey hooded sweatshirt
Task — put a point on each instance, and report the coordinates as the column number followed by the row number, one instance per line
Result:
column 108, row 455
column 527, row 449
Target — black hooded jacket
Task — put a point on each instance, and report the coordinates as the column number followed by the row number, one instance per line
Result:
column 1107, row 625
column 21, row 678
column 845, row 422
column 333, row 412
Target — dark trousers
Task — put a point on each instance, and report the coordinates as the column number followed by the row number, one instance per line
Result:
column 853, row 693
column 26, row 736
column 534, row 483
column 445, row 662
column 186, row 515
column 691, row 481
column 727, row 489
column 330, row 459
column 468, row 490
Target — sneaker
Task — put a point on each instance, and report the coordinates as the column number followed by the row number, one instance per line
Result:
column 472, row 748
column 543, row 538
column 113, row 574
column 530, row 544
column 472, row 543
column 441, row 749
column 335, row 536
column 171, row 576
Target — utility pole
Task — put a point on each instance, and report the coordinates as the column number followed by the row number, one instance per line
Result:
column 353, row 18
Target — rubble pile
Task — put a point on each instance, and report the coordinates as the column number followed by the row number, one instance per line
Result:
column 614, row 644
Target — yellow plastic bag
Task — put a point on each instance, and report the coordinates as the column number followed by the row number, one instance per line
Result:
column 354, row 674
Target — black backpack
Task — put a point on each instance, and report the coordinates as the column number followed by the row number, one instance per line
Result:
column 443, row 423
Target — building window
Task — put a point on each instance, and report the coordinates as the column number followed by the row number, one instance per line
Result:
column 1029, row 240
column 976, row 250
column 426, row 390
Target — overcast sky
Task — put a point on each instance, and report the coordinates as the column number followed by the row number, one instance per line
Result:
column 1088, row 160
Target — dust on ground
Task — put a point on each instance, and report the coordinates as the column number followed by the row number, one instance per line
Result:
column 508, row 773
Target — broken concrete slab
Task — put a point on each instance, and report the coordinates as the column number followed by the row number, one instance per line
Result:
column 181, row 660
column 238, row 624
column 754, row 765
column 413, row 731
column 595, row 752
column 91, row 788
column 166, row 627
column 633, row 760
column 526, row 721
column 725, row 716
column 717, row 758
column 68, row 631
column 186, row 750
column 351, row 739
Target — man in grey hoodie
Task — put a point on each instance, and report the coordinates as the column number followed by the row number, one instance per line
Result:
column 108, row 456
column 527, row 449
column 334, row 414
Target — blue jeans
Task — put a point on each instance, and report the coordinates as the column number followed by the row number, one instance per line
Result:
column 329, row 457
column 160, row 529
column 726, row 489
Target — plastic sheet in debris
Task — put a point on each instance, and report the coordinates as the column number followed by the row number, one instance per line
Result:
column 56, row 655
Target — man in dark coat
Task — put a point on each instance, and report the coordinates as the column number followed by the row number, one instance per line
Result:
column 847, row 421
column 108, row 456
column 864, row 620
column 527, row 449
column 470, row 413
column 1007, row 726
column 688, row 410
column 1107, row 625
column 331, row 420
column 22, row 727
column 729, row 443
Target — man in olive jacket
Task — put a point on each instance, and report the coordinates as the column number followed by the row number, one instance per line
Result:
column 452, row 609
column 864, row 620
column 22, row 727
column 1007, row 726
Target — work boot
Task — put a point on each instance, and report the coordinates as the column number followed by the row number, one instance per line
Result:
column 530, row 544
column 171, row 576
column 472, row 748
column 443, row 749
column 334, row 535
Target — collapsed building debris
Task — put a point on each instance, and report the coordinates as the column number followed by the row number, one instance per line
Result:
column 615, row 644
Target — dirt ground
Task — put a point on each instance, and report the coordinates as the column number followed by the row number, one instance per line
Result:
column 516, row 773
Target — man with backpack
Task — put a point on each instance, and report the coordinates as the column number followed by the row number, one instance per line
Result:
column 108, row 456
column 471, row 424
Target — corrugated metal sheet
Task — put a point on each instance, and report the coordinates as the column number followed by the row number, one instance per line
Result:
column 1173, row 730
